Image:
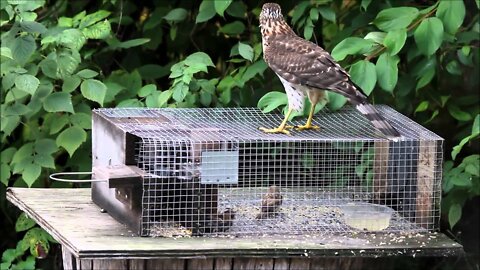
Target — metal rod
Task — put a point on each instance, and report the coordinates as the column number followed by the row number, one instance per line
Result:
column 53, row 177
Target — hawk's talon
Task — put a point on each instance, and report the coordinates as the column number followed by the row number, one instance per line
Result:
column 283, row 130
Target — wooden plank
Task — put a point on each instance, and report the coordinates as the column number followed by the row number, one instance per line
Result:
column 425, row 177
column 166, row 264
column 79, row 225
column 137, row 264
column 103, row 264
column 68, row 259
column 300, row 264
column 252, row 264
column 351, row 263
column 281, row 264
column 223, row 263
column 200, row 264
column 85, row 264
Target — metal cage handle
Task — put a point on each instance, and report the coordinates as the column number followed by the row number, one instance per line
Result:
column 54, row 177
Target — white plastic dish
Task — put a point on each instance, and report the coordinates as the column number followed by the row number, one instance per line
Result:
column 367, row 216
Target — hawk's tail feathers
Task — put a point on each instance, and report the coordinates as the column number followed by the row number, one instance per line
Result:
column 378, row 121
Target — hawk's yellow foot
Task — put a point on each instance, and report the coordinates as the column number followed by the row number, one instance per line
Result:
column 283, row 128
column 279, row 129
column 307, row 126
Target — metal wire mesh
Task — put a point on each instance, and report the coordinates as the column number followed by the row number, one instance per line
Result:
column 212, row 172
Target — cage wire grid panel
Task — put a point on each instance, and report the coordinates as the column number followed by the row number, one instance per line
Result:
column 212, row 172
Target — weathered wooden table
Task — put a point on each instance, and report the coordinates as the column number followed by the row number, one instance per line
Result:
column 91, row 239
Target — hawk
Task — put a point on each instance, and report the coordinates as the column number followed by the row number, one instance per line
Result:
column 305, row 69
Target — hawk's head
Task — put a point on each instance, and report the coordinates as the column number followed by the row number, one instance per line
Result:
column 271, row 20
column 271, row 11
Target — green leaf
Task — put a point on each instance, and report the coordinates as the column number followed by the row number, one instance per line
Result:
column 363, row 74
column 147, row 90
column 49, row 67
column 91, row 19
column 476, row 125
column 180, row 91
column 454, row 214
column 314, row 14
column 9, row 123
column 31, row 173
column 387, row 71
column 27, row 83
column 29, row 5
column 58, row 123
column 458, row 114
column 206, row 11
column 271, row 101
column 395, row 18
column 58, row 102
column 45, row 146
column 67, row 63
column 23, row 223
column 33, row 27
column 237, row 9
column 395, row 40
column 452, row 14
column 38, row 239
column 82, row 120
column 23, row 47
column 65, row 22
column 364, row 4
column 131, row 43
column 164, row 97
column 100, row 30
column 176, row 15
column 351, row 46
column 93, row 90
column 378, row 37
column 423, row 106
column 336, row 101
column 130, row 103
column 245, row 50
column 72, row 38
column 5, row 173
column 205, row 98
column 16, row 109
column 453, row 67
column 308, row 29
column 221, row 6
column 71, row 138
column 327, row 13
column 234, row 28
column 7, row 155
column 8, row 255
column 198, row 58
column 77, row 18
column 87, row 73
column 71, row 83
column 429, row 35
column 25, row 151
column 299, row 11
column 6, row 52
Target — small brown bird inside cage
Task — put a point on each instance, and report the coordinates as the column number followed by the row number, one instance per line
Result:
column 271, row 202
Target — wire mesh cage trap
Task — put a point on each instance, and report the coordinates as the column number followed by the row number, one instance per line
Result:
column 174, row 172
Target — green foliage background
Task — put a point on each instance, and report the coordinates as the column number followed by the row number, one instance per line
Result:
column 60, row 59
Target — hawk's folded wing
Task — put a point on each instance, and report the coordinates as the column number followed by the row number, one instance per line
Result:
column 302, row 62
